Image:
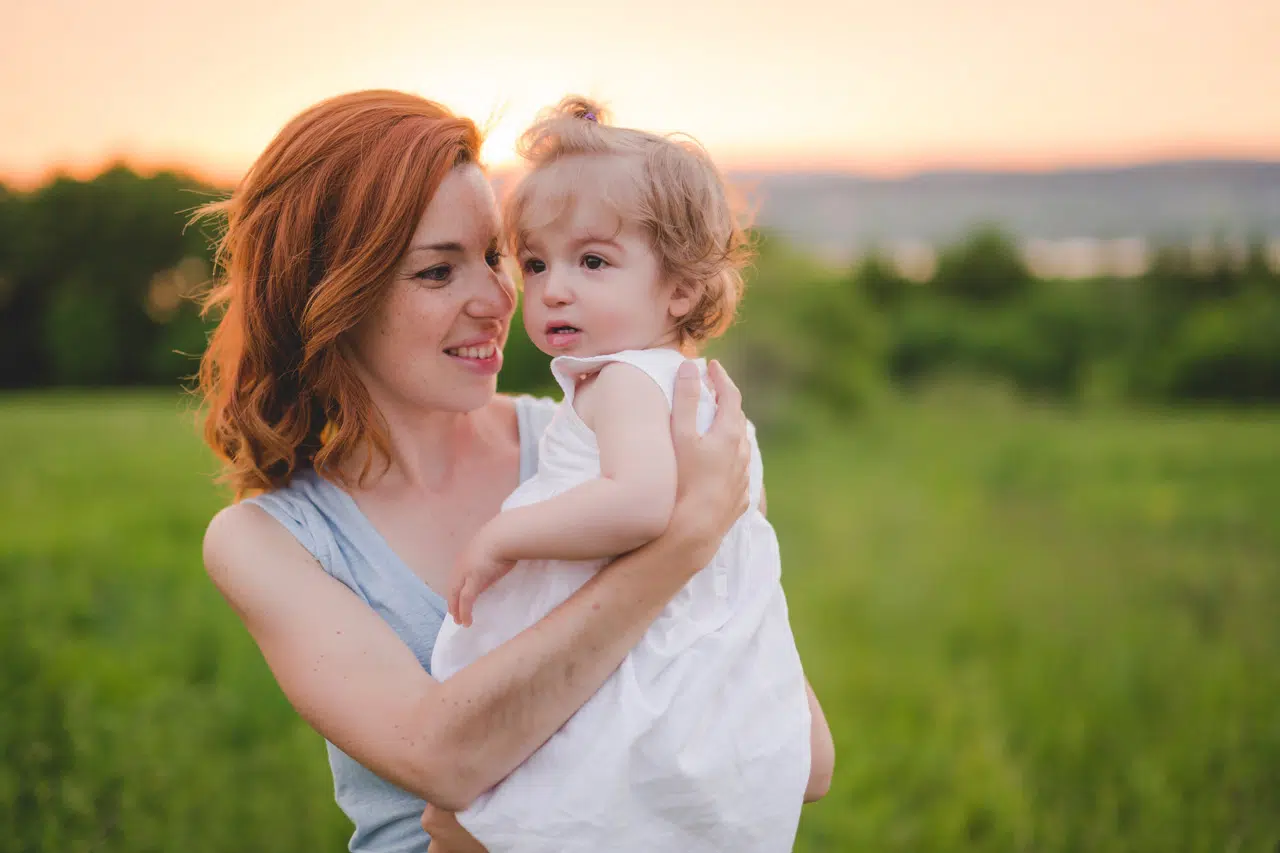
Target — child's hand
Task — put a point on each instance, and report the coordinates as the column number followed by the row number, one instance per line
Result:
column 447, row 835
column 478, row 567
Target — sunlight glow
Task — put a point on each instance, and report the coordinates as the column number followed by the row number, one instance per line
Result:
column 784, row 84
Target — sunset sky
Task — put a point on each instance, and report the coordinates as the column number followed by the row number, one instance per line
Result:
column 870, row 85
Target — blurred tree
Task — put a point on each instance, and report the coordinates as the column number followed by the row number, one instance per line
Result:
column 803, row 334
column 82, row 335
column 96, row 280
column 1228, row 351
column 19, row 336
column 984, row 268
column 78, row 269
column 881, row 283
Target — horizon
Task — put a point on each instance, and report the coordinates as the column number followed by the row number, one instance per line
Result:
column 500, row 171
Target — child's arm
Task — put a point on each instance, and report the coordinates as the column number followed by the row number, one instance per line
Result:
column 628, row 505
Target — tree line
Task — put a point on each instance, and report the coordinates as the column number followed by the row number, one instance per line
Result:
column 99, row 279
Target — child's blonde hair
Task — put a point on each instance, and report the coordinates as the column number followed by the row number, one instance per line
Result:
column 675, row 193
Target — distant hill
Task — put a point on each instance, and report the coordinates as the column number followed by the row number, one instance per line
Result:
column 840, row 213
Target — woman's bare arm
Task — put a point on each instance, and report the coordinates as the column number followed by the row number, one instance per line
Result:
column 448, row 742
column 822, row 751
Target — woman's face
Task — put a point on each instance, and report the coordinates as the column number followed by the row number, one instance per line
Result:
column 436, row 340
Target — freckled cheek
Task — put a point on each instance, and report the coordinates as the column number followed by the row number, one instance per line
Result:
column 422, row 329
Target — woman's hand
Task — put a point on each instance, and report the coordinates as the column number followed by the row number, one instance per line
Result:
column 712, row 469
column 447, row 835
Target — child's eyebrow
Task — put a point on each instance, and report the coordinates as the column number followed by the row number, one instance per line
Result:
column 603, row 241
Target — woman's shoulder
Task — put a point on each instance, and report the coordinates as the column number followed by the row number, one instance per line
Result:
column 297, row 510
column 242, row 536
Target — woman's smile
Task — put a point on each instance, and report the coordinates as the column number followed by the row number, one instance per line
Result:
column 483, row 356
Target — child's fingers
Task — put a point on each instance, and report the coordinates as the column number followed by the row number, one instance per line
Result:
column 454, row 605
column 466, row 598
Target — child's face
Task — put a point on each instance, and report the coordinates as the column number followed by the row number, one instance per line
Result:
column 592, row 288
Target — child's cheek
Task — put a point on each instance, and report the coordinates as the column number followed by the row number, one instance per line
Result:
column 533, row 317
column 616, row 326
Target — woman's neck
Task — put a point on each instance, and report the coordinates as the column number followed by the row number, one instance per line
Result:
column 426, row 448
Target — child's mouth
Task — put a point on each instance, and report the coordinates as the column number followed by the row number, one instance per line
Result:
column 562, row 336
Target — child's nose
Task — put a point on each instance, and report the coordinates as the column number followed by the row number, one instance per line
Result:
column 556, row 291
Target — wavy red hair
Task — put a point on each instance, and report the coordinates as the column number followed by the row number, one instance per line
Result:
column 312, row 236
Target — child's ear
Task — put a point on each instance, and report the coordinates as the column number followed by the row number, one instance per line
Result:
column 684, row 295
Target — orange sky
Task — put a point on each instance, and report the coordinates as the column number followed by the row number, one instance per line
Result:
column 876, row 86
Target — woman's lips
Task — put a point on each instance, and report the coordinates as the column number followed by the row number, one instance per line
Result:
column 484, row 357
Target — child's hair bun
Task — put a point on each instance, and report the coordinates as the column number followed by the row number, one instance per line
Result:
column 576, row 106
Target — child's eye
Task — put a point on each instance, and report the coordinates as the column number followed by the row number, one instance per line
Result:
column 594, row 262
column 533, row 266
column 493, row 257
column 438, row 273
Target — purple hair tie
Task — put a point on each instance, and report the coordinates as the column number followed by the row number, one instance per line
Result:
column 589, row 116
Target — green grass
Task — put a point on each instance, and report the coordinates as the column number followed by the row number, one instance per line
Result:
column 1032, row 629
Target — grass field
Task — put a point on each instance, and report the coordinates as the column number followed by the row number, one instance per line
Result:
column 1032, row 630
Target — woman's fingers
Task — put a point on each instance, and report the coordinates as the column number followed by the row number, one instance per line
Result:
column 730, row 425
column 728, row 397
column 715, row 464
column 684, row 405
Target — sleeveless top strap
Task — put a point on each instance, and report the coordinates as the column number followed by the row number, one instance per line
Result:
column 660, row 365
column 301, row 508
column 533, row 415
column 317, row 512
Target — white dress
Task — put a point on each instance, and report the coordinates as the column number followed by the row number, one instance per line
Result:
column 700, row 740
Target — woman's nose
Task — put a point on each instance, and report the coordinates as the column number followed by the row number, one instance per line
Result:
column 496, row 296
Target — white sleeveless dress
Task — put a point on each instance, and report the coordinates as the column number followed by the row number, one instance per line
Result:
column 699, row 742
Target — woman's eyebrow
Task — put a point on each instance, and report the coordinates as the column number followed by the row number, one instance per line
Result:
column 439, row 247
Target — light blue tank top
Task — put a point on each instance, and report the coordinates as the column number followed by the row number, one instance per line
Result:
column 326, row 520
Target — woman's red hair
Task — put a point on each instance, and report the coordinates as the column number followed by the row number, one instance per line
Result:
column 312, row 236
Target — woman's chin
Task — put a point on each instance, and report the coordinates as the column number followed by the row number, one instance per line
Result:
column 477, row 395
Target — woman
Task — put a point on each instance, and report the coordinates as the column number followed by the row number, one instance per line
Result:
column 351, row 390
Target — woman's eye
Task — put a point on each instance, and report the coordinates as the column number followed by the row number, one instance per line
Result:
column 493, row 257
column 440, row 272
column 594, row 262
column 533, row 266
